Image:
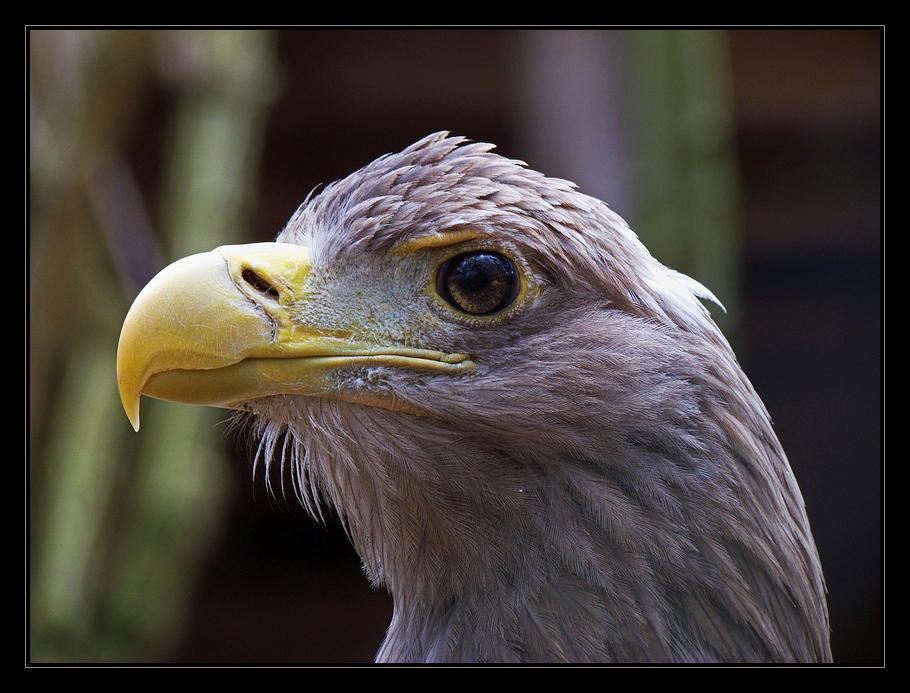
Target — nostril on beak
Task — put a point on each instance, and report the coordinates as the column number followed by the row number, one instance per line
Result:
column 259, row 283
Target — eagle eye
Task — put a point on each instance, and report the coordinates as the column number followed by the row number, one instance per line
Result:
column 480, row 282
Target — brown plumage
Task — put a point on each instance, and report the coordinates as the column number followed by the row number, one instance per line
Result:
column 573, row 469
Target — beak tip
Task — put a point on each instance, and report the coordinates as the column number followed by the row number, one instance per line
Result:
column 131, row 408
column 132, row 413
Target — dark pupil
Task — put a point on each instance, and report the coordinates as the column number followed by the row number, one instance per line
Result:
column 479, row 283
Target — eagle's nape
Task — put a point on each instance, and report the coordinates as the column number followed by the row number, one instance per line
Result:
column 539, row 441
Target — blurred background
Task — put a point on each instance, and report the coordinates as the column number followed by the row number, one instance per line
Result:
column 750, row 159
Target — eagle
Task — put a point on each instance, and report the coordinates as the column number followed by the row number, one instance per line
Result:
column 535, row 435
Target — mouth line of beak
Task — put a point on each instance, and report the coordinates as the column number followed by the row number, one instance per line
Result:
column 230, row 386
column 393, row 356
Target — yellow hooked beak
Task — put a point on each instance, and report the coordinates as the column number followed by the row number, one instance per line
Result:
column 219, row 329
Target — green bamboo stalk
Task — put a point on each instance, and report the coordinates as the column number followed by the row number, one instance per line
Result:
column 687, row 179
column 83, row 478
column 179, row 497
